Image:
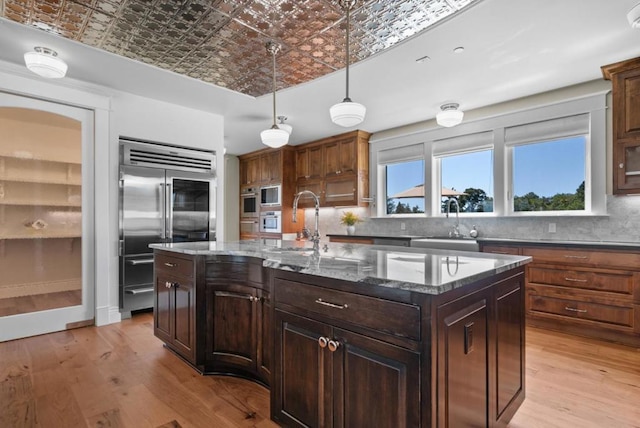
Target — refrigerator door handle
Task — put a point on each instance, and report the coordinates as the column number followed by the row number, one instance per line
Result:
column 163, row 210
column 169, row 207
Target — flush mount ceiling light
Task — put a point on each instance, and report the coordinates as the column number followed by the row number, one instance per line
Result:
column 450, row 115
column 274, row 136
column 634, row 16
column 45, row 62
column 347, row 113
column 283, row 125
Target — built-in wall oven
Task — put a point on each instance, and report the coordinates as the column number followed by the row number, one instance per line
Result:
column 271, row 195
column 271, row 221
column 249, row 202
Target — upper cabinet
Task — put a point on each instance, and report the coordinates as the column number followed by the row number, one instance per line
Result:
column 249, row 170
column 271, row 167
column 263, row 167
column 625, row 78
column 336, row 169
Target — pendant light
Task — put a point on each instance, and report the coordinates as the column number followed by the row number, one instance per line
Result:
column 274, row 136
column 450, row 115
column 347, row 113
column 283, row 125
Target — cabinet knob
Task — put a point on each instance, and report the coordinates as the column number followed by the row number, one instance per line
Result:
column 167, row 284
column 322, row 341
column 333, row 345
column 621, row 166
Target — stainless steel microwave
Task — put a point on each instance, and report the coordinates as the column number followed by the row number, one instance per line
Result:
column 271, row 221
column 271, row 195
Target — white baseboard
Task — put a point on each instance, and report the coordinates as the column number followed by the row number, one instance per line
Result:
column 107, row 315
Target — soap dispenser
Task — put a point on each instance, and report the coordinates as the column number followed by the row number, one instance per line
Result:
column 473, row 232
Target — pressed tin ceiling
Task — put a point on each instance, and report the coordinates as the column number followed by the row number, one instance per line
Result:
column 223, row 41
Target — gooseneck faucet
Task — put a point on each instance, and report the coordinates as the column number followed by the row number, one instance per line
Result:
column 456, row 228
column 316, row 234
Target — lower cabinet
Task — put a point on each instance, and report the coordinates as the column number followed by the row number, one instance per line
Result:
column 174, row 314
column 236, row 336
column 331, row 377
column 238, row 313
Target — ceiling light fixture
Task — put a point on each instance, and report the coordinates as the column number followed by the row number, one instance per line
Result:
column 45, row 62
column 283, row 125
column 274, row 136
column 634, row 16
column 450, row 115
column 347, row 113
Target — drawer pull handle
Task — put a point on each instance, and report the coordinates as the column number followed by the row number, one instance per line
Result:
column 331, row 305
column 171, row 284
column 170, row 264
column 167, row 284
column 322, row 341
column 333, row 345
column 581, row 311
column 576, row 257
column 574, row 280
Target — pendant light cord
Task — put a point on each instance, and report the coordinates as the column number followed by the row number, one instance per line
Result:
column 273, row 49
column 348, row 7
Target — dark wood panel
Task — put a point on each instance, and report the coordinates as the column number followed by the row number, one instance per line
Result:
column 613, row 282
column 580, row 257
column 174, row 265
column 184, row 318
column 365, row 311
column 265, row 339
column 375, row 372
column 301, row 394
column 463, row 363
column 162, row 308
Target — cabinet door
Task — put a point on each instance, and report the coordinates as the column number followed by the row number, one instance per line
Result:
column 301, row 394
column 233, row 329
column 249, row 170
column 368, row 371
column 162, row 307
column 270, row 167
column 309, row 163
column 340, row 157
column 307, row 201
column 265, row 338
column 510, row 357
column 183, row 302
column 341, row 191
column 463, row 363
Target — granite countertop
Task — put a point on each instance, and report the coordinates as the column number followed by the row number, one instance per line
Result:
column 615, row 245
column 418, row 270
column 400, row 237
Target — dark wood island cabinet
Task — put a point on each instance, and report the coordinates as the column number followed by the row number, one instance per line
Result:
column 343, row 344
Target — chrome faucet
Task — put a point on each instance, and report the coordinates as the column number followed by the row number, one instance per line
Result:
column 456, row 229
column 316, row 234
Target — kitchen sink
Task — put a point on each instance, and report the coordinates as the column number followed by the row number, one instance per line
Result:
column 459, row 243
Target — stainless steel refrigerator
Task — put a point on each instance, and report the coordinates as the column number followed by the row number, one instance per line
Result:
column 167, row 194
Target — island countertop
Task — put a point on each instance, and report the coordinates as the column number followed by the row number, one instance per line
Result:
column 427, row 271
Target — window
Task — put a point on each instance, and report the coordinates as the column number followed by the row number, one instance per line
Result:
column 469, row 178
column 405, row 187
column 550, row 176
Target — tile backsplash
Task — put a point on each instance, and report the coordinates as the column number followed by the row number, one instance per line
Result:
column 621, row 224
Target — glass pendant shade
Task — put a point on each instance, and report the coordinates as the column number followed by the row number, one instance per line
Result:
column 449, row 116
column 283, row 125
column 274, row 137
column 347, row 113
column 45, row 62
column 634, row 16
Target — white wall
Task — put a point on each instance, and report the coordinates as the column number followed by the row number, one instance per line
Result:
column 121, row 114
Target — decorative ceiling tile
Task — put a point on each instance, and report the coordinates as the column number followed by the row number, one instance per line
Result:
column 223, row 41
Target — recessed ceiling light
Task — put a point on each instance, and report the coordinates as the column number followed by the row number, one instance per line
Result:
column 423, row 59
column 458, row 50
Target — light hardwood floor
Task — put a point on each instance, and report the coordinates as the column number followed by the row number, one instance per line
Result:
column 121, row 376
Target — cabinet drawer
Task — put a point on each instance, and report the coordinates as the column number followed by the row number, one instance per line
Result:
column 621, row 283
column 397, row 319
column 588, row 311
column 174, row 265
column 583, row 257
column 501, row 249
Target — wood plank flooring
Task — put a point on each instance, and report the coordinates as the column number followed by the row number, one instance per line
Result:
column 121, row 376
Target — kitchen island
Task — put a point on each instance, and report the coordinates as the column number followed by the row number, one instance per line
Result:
column 351, row 335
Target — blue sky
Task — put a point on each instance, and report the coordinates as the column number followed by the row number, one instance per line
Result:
column 545, row 168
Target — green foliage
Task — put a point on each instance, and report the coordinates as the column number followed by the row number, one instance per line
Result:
column 349, row 218
column 402, row 208
column 557, row 202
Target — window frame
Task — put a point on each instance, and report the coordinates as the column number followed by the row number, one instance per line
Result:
column 594, row 105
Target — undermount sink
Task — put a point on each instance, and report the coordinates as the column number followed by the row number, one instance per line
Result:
column 449, row 237
column 459, row 243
